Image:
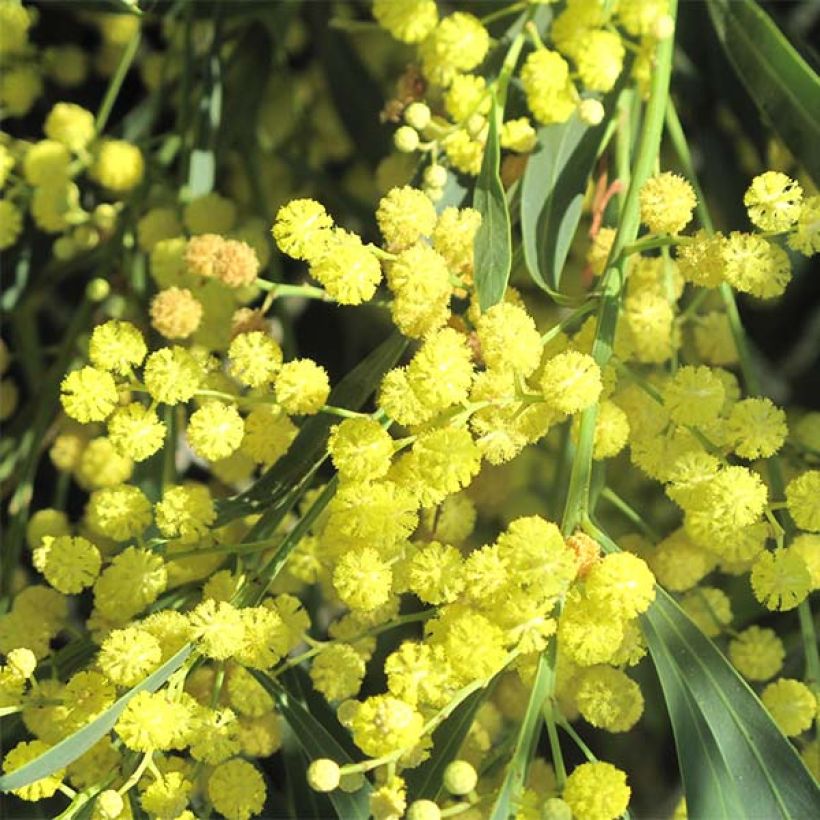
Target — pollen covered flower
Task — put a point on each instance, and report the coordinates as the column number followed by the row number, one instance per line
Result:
column 609, row 699
column 550, row 94
column 136, row 431
column 754, row 265
column 509, row 339
column 803, row 500
column 404, row 216
column 120, row 512
column 597, row 791
column 117, row 346
column 150, row 721
column 337, row 672
column 667, row 202
column 622, row 581
column 780, row 580
column 118, row 166
column 792, row 705
column 302, row 387
column 129, row 655
column 70, row 124
column 89, row 394
column 302, row 229
column 805, row 237
column 68, row 563
column 383, row 724
column 773, row 201
column 694, row 395
column 757, row 653
column 255, row 358
column 218, row 629
column 757, row 427
column 360, row 447
column 347, row 269
column 23, row 753
column 175, row 313
column 215, row 430
column 571, row 382
column 362, row 579
column 185, row 512
column 410, row 21
column 435, row 573
column 172, row 375
column 236, row 789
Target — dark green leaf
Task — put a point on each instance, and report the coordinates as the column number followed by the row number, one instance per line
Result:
column 731, row 753
column 68, row 750
column 425, row 781
column 779, row 80
column 317, row 742
column 278, row 489
column 493, row 241
column 552, row 193
column 355, row 93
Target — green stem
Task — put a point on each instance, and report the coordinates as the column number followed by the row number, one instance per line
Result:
column 555, row 744
column 630, row 513
column 567, row 727
column 304, row 291
column 651, row 242
column 501, row 13
column 649, row 145
column 568, row 321
column 116, row 82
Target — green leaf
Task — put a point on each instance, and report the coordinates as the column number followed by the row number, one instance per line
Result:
column 731, row 753
column 279, row 488
column 782, row 84
column 553, row 189
column 493, row 240
column 68, row 750
column 316, row 741
column 528, row 734
column 425, row 781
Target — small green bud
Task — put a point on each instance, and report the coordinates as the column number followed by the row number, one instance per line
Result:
column 323, row 775
column 97, row 290
column 406, row 139
column 460, row 777
column 417, row 115
column 435, row 176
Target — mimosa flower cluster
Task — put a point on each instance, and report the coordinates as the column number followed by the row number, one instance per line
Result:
column 257, row 559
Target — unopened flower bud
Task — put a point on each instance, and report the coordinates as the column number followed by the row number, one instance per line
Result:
column 97, row 290
column 435, row 176
column 460, row 777
column 323, row 775
column 417, row 115
column 406, row 139
column 591, row 111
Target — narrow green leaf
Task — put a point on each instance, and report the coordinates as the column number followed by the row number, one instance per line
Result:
column 68, row 750
column 528, row 733
column 425, row 781
column 781, row 83
column 316, row 741
column 493, row 240
column 276, row 491
column 732, row 754
column 553, row 189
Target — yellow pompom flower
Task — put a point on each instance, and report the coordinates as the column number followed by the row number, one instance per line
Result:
column 71, row 125
column 346, row 268
column 441, row 372
column 667, row 201
column 509, row 339
column 757, row 653
column 133, row 581
column 117, row 346
column 780, row 580
column 265, row 638
column 420, row 281
column 773, row 201
column 120, row 513
column 323, row 774
column 89, row 394
column 805, row 237
column 383, row 724
column 360, row 448
column 45, row 162
column 337, row 672
column 46, row 522
column 129, row 655
column 218, row 629
column 597, row 791
column 467, row 95
column 808, row 548
column 611, row 431
column 609, row 699
column 136, row 431
column 172, row 375
column 757, row 428
column 302, row 229
column 600, row 59
column 753, row 265
column 792, row 705
column 550, row 94
column 454, row 237
column 623, row 582
column 102, row 465
column 236, row 789
column 68, row 564
column 22, row 85
column 409, row 21
column 150, row 722
column 803, row 500
column 302, row 387
column 571, row 382
column 118, row 166
column 362, row 579
column 714, row 340
column 215, row 430
column 269, row 433
column 255, row 358
column 518, row 135
column 694, row 395
column 185, row 512
column 458, row 43
column 404, row 216
column 167, row 796
column 435, row 573
column 11, row 223
column 175, row 313
column 649, row 320
column 23, row 753
column 590, row 632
